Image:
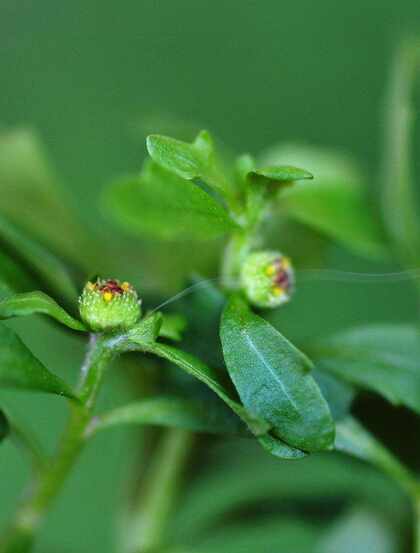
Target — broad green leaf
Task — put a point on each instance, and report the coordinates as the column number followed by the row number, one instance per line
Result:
column 46, row 212
column 273, row 379
column 322, row 478
column 4, row 426
column 265, row 536
column 49, row 269
column 352, row 438
column 360, row 530
column 335, row 202
column 173, row 326
column 19, row 368
column 196, row 160
column 283, row 174
column 165, row 206
column 205, row 374
column 381, row 358
column 176, row 412
column 399, row 201
column 37, row 302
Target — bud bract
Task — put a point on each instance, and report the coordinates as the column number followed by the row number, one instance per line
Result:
column 109, row 305
column 267, row 278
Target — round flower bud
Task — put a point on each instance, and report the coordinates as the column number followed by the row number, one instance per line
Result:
column 267, row 278
column 109, row 305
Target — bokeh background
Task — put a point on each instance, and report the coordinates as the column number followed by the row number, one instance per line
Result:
column 93, row 78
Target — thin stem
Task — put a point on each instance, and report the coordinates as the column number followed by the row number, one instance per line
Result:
column 42, row 493
column 147, row 525
column 416, row 509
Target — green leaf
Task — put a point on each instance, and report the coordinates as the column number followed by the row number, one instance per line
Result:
column 46, row 212
column 173, row 327
column 278, row 448
column 145, row 333
column 205, row 374
column 273, row 379
column 353, row 439
column 196, row 160
column 37, row 302
column 266, row 535
column 321, row 478
column 165, row 206
column 381, row 358
column 49, row 269
column 399, row 201
column 175, row 412
column 19, row 368
column 4, row 426
column 283, row 174
column 360, row 530
column 185, row 160
column 334, row 203
column 339, row 394
column 27, row 443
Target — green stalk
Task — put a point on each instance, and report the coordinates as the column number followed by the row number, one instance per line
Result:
column 146, row 532
column 21, row 534
column 416, row 509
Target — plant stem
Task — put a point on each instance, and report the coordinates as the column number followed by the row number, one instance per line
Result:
column 146, row 533
column 33, row 510
column 416, row 509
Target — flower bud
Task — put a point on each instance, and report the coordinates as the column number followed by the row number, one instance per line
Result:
column 109, row 305
column 267, row 278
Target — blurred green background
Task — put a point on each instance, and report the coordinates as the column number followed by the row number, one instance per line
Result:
column 93, row 78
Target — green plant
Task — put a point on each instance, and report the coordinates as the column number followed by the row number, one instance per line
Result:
column 258, row 385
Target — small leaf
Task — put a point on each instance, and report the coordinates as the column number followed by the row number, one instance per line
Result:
column 165, row 206
column 19, row 368
column 273, row 379
column 37, row 302
column 47, row 267
column 175, row 412
column 199, row 370
column 283, row 174
column 173, row 327
column 189, row 161
column 178, row 157
column 381, row 358
column 4, row 426
column 335, row 202
column 145, row 332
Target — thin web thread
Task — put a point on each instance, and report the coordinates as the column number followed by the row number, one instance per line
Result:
column 307, row 275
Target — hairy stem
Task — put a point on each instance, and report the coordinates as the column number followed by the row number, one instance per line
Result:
column 40, row 496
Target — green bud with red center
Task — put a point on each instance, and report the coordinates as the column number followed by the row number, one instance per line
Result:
column 267, row 278
column 109, row 305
